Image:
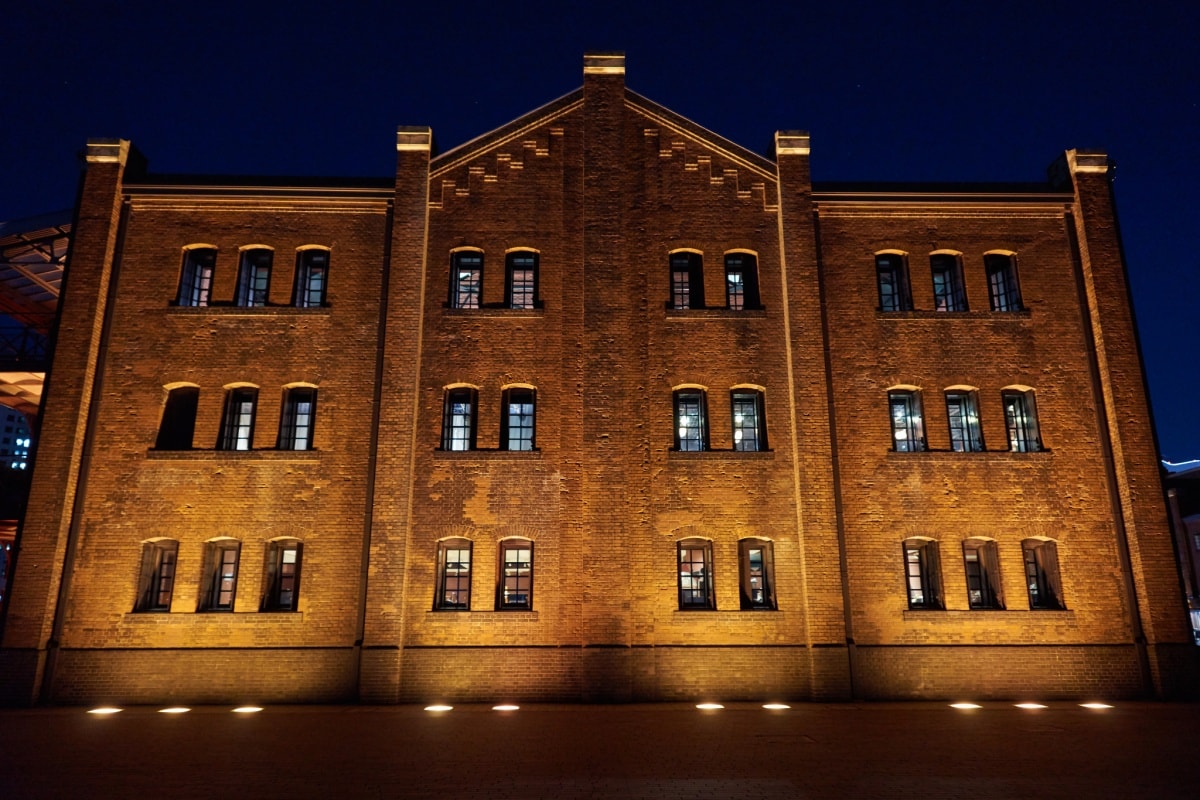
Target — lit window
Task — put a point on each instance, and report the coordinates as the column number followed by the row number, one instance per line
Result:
column 1041, row 574
column 158, row 575
column 687, row 280
column 466, row 278
column 254, row 277
column 1003, row 290
column 749, row 421
column 178, row 424
column 908, row 432
column 220, row 575
column 695, row 575
column 1020, row 416
column 237, row 422
column 741, row 281
column 948, row 292
column 983, row 574
column 453, row 576
column 922, row 574
column 195, row 282
column 296, row 421
column 756, row 565
column 515, row 589
column 521, row 267
column 458, row 419
column 891, row 272
column 283, row 575
column 962, row 408
column 517, row 424
column 691, row 420
column 312, row 277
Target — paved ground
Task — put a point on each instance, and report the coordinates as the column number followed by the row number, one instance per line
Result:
column 905, row 750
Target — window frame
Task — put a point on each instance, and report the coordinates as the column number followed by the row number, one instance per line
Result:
column 894, row 265
column 442, row 590
column 1004, row 286
column 196, row 276
column 254, row 279
column 523, row 575
column 220, row 572
column 290, row 425
column 277, row 598
column 512, row 396
column 685, row 271
column 510, row 284
column 688, row 394
column 746, row 574
column 913, row 427
column 233, row 419
column 1043, row 578
column 159, row 570
column 474, row 290
column 989, row 596
column 745, row 264
column 303, row 294
column 740, row 395
column 922, row 574
column 1021, row 420
column 451, row 396
column 692, row 598
column 966, row 433
column 177, row 425
column 950, row 294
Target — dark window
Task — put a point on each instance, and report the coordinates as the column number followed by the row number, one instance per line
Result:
column 296, row 421
column 517, row 423
column 179, row 419
column 749, row 421
column 283, row 576
column 948, row 292
column 158, row 575
column 1041, row 574
column 195, row 282
column 891, row 272
column 687, row 280
column 922, row 574
column 983, row 574
column 691, row 420
column 756, row 564
column 741, row 281
column 454, row 576
column 312, row 278
column 962, row 409
column 1020, row 416
column 521, row 267
column 237, row 422
column 466, row 279
column 220, row 575
column 1003, row 290
column 695, row 575
column 254, row 277
column 458, row 419
column 515, row 587
column 908, row 432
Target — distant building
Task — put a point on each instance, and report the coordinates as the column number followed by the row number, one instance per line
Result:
column 597, row 406
column 14, row 439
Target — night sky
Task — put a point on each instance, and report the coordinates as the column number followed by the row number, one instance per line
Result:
column 914, row 91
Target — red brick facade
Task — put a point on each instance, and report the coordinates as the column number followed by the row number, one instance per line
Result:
column 582, row 536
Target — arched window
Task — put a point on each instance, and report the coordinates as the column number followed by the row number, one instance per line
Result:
column 157, row 582
column 1041, row 574
column 312, row 277
column 219, row 586
column 459, row 418
column 1020, row 417
column 756, row 569
column 195, row 279
column 695, row 568
column 1003, row 289
column 514, row 588
column 282, row 582
column 453, row 591
column 949, row 293
column 466, row 279
column 297, row 418
column 521, row 279
column 237, row 420
column 687, row 280
column 749, row 419
column 741, row 281
column 254, row 277
column 922, row 573
column 691, row 420
column 981, row 560
column 908, row 429
column 518, row 417
column 178, row 424
column 891, row 275
column 962, row 412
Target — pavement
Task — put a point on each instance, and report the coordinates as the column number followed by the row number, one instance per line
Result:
column 853, row 750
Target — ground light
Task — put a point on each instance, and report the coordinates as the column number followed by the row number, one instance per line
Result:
column 965, row 706
column 709, row 706
column 776, row 706
column 505, row 707
column 247, row 709
column 441, row 708
column 1030, row 705
column 1095, row 706
column 104, row 710
column 174, row 710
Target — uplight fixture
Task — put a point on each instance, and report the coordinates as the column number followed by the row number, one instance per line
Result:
column 709, row 706
column 174, row 710
column 444, row 708
column 776, row 706
column 1095, row 706
column 104, row 711
column 965, row 706
column 247, row 709
column 1030, row 705
column 505, row 707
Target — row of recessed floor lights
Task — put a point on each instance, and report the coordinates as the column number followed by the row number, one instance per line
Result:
column 105, row 710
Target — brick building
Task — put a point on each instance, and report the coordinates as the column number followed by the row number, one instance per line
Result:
column 596, row 406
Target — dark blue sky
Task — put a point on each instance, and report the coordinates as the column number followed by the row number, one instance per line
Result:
column 890, row 91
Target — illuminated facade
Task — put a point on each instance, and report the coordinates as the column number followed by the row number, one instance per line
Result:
column 597, row 406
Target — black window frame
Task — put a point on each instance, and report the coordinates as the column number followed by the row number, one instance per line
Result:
column 304, row 295
column 232, row 418
column 219, row 591
column 159, row 569
column 744, row 265
column 281, row 590
column 696, row 592
column 254, row 277
column 685, row 271
column 474, row 287
column 891, row 280
column 922, row 575
column 1004, row 287
column 510, row 434
column 1021, row 420
column 452, row 576
column 459, row 395
column 177, row 427
column 297, row 427
column 1043, row 580
column 910, row 423
column 739, row 399
column 529, row 288
column 510, row 580
column 962, row 417
column 757, row 586
column 196, row 277
column 681, row 401
column 949, row 293
column 981, row 564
